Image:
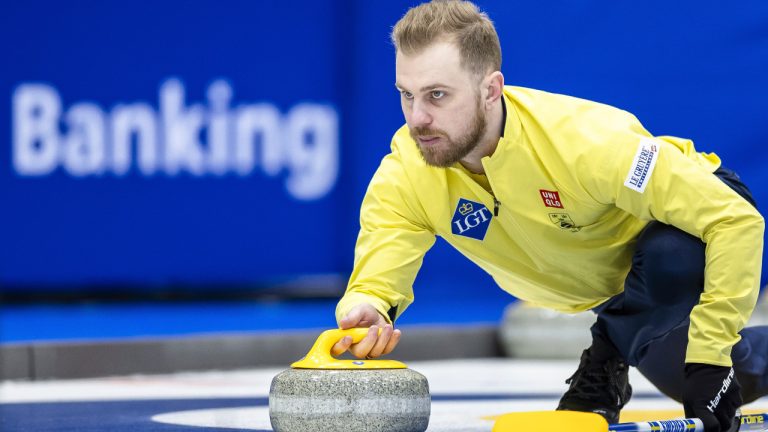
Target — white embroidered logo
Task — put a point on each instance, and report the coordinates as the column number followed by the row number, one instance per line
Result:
column 642, row 166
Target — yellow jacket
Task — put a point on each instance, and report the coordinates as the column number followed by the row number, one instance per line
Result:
column 572, row 183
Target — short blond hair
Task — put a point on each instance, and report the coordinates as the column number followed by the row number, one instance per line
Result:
column 457, row 21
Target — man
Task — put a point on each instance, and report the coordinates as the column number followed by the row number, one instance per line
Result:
column 568, row 204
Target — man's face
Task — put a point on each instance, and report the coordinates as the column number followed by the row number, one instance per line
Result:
column 441, row 103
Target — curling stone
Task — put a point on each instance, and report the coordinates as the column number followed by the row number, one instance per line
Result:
column 322, row 393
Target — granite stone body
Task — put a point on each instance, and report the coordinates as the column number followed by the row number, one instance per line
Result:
column 384, row 400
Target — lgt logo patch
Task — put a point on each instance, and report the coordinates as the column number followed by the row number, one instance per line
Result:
column 471, row 219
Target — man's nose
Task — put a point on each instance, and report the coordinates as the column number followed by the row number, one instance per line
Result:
column 420, row 116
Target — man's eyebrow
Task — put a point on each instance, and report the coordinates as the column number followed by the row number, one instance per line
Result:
column 427, row 87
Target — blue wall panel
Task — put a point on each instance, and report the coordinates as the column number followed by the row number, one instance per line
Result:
column 252, row 85
column 288, row 107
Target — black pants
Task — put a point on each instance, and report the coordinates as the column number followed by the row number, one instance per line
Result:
column 648, row 322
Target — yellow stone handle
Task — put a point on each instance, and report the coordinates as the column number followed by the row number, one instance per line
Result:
column 319, row 356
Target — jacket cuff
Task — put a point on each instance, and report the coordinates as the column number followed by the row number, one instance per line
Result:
column 352, row 299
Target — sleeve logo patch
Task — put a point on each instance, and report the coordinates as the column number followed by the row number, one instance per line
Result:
column 642, row 166
column 471, row 219
column 551, row 198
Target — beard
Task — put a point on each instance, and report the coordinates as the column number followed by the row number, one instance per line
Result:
column 451, row 150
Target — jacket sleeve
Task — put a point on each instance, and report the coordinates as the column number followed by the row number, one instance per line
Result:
column 391, row 244
column 653, row 179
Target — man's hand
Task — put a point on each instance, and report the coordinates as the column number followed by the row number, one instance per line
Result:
column 373, row 344
column 712, row 394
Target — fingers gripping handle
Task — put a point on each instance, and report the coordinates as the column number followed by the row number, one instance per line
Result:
column 319, row 356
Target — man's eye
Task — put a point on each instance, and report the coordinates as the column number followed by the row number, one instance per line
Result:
column 437, row 94
column 407, row 95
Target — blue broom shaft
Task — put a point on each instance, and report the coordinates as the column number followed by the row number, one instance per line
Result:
column 685, row 425
column 749, row 422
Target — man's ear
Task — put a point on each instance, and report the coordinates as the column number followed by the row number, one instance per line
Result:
column 493, row 85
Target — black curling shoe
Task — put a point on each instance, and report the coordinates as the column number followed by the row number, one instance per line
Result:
column 602, row 388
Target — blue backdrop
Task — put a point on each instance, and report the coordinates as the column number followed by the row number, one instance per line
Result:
column 147, row 144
